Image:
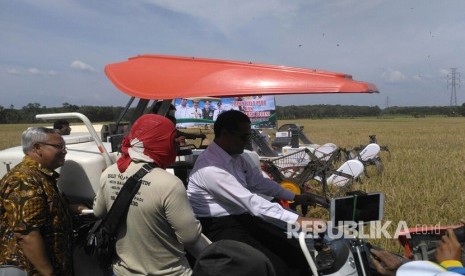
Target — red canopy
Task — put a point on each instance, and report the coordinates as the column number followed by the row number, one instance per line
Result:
column 168, row 77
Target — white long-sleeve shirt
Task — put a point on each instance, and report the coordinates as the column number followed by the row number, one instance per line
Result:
column 217, row 112
column 222, row 185
column 184, row 112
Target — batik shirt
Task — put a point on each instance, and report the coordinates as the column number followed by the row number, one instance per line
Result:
column 30, row 200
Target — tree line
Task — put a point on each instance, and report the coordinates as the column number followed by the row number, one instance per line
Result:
column 27, row 113
column 348, row 111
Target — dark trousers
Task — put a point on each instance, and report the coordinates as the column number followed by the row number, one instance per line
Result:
column 285, row 254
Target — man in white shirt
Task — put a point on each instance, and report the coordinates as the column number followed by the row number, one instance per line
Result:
column 223, row 191
column 196, row 111
column 219, row 109
column 183, row 111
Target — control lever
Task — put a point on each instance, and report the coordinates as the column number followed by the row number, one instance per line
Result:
column 311, row 199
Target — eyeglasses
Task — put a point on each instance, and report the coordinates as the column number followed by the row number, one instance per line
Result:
column 57, row 146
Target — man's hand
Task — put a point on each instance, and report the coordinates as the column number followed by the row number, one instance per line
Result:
column 78, row 208
column 385, row 262
column 181, row 140
column 313, row 225
column 449, row 248
column 34, row 249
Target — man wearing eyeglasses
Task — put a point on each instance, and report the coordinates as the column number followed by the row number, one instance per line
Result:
column 223, row 191
column 35, row 221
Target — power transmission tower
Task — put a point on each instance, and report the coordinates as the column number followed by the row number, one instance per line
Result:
column 453, row 81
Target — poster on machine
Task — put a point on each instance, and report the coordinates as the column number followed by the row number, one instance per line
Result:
column 199, row 111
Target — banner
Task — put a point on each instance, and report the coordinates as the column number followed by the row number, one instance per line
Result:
column 200, row 111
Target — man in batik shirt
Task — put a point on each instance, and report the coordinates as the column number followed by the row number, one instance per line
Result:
column 35, row 222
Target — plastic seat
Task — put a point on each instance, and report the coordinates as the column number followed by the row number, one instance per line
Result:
column 370, row 152
column 346, row 173
column 325, row 151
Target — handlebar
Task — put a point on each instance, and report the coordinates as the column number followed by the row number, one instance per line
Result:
column 460, row 233
column 311, row 199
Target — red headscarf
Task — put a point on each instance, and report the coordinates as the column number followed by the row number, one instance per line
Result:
column 151, row 139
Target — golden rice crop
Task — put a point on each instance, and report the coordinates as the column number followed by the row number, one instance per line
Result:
column 423, row 181
column 11, row 134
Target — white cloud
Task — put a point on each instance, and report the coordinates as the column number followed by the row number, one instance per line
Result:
column 12, row 71
column 418, row 77
column 34, row 71
column 393, row 76
column 80, row 65
column 443, row 72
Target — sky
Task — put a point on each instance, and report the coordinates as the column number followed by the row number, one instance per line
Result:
column 54, row 51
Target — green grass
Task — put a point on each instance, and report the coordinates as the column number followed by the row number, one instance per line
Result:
column 424, row 180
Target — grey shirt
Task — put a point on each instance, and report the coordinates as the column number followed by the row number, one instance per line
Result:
column 159, row 222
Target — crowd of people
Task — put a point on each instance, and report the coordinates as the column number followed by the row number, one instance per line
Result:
column 208, row 111
column 221, row 220
column 184, row 111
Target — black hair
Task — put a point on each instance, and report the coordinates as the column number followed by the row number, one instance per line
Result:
column 230, row 121
column 171, row 118
column 58, row 124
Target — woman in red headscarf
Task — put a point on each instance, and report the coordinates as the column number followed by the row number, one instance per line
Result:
column 160, row 221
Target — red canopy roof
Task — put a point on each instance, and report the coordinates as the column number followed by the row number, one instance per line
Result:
column 168, row 77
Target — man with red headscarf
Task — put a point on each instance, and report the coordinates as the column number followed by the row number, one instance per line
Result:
column 160, row 221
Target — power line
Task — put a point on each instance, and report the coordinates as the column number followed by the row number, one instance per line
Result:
column 453, row 81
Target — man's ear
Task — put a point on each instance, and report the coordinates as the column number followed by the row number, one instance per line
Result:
column 35, row 150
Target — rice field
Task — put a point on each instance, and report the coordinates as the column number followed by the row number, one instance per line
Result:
column 10, row 134
column 423, row 181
